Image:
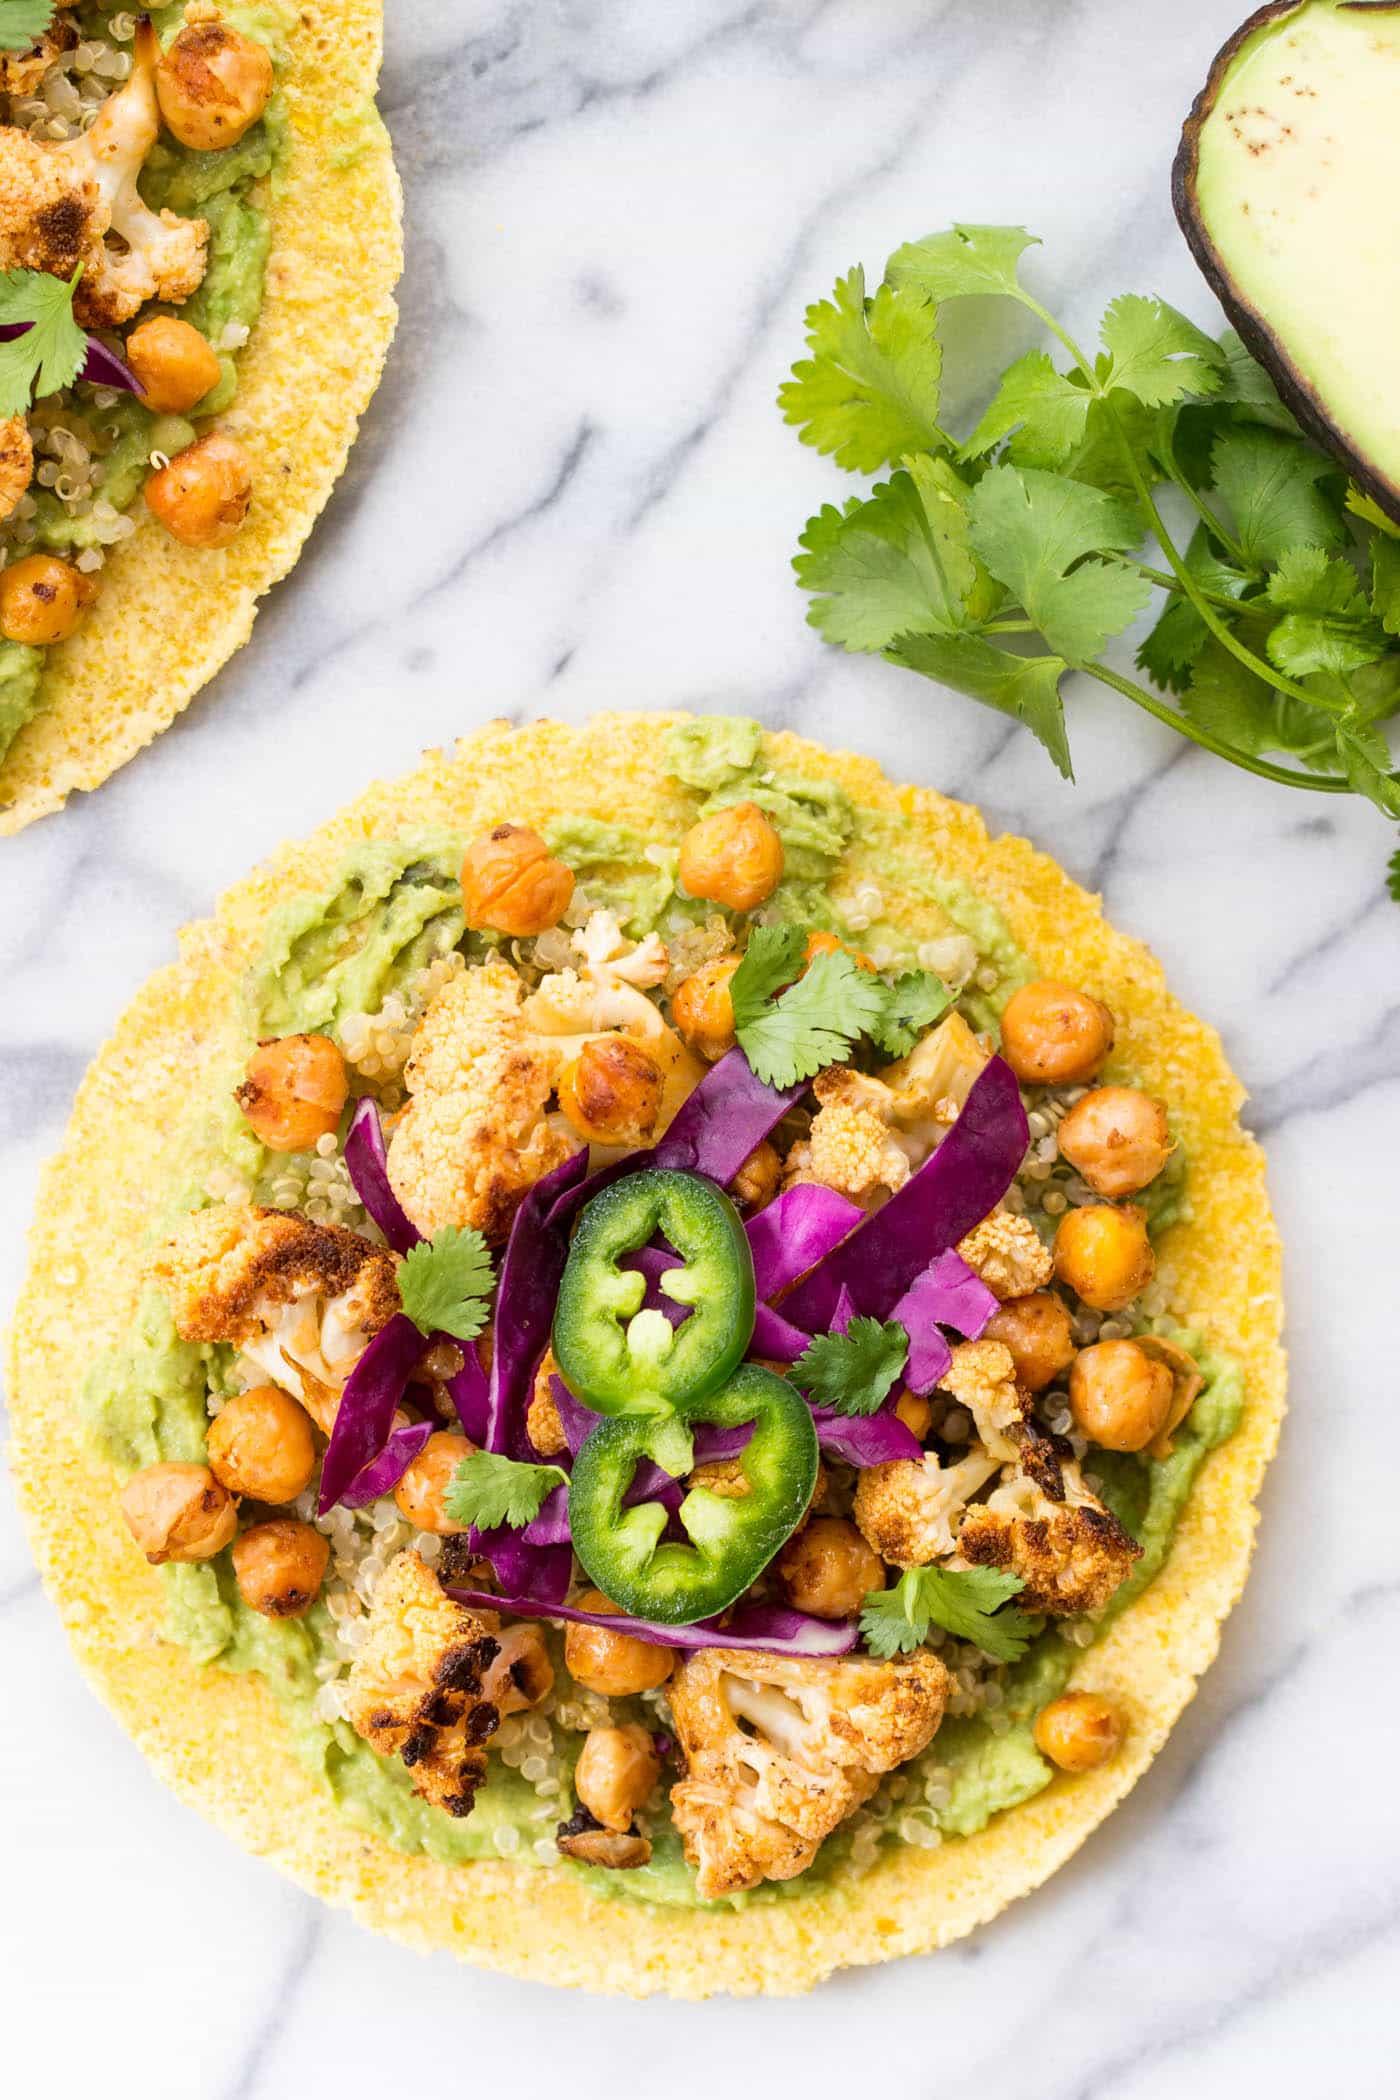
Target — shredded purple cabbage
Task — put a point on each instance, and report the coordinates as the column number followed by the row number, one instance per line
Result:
column 866, row 1440
column 471, row 1395
column 365, row 1416
column 776, row 1338
column 795, row 1231
column 383, row 1474
column 367, row 1165
column 768, row 1628
column 723, row 1120
column 948, row 1294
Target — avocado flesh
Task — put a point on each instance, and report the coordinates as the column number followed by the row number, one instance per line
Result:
column 1287, row 187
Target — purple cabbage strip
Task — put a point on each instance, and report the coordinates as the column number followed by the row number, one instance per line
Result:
column 383, row 1474
column 843, row 1312
column 367, row 1164
column 723, row 1120
column 551, row 1526
column 938, row 1206
column 365, row 1415
column 795, row 1231
column 948, row 1294
column 770, row 1629
column 471, row 1395
column 776, row 1338
column 866, row 1440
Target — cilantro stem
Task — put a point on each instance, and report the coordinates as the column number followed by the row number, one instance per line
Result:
column 1197, row 501
column 1167, row 582
column 1009, row 627
column 1321, row 783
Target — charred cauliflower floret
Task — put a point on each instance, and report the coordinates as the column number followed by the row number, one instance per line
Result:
column 415, row 1689
column 1043, row 1524
column 982, row 1378
column 58, row 204
column 300, row 1300
column 16, row 462
column 1008, row 1254
column 543, row 1424
column 22, row 71
column 870, row 1133
column 779, row 1752
column 909, row 1511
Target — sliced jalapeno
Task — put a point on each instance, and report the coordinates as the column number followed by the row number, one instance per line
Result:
column 625, row 1358
column 731, row 1539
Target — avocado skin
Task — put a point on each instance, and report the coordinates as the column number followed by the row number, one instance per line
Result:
column 1295, row 391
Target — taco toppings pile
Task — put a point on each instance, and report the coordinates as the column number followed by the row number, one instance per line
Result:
column 663, row 1372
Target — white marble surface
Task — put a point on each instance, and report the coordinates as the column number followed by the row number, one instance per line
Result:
column 574, row 491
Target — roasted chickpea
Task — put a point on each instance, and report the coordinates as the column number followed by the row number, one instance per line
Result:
column 756, row 1182
column 522, row 1673
column 512, row 885
column 703, row 1010
column 1078, row 1731
column 613, row 1663
column 42, row 600
column 1117, row 1139
column 1120, row 1396
column 733, row 857
column 1037, row 1331
column 828, row 1569
column 173, row 362
column 611, row 1093
column 421, row 1489
column 202, row 497
column 212, row 85
column 915, row 1412
column 294, row 1089
column 178, row 1512
column 260, row 1445
column 1104, row 1254
column 280, row 1566
column 616, row 1770
column 1055, row 1035
column 827, row 944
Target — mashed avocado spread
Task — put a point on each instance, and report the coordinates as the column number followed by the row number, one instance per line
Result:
column 394, row 909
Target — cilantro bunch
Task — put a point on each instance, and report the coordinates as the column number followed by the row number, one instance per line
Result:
column 1000, row 562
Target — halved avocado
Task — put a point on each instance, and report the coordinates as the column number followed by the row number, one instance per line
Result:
column 1287, row 187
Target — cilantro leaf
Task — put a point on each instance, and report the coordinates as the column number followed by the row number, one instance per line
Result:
column 853, row 1373
column 1180, row 634
column 1370, row 513
column 444, row 1283
column 1385, row 582
column 897, row 563
column 1367, row 763
column 488, row 1490
column 1025, row 687
column 23, row 22
column 1327, row 624
column 963, row 1601
column 815, row 1021
column 1392, row 876
column 1228, row 699
column 868, row 394
column 772, row 961
column 1043, row 405
column 51, row 352
column 1156, row 354
column 913, row 1003
column 1249, row 388
column 1030, row 527
column 1270, row 484
column 964, row 262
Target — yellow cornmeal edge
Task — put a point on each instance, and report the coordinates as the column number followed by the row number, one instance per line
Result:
column 169, row 616
column 218, row 1739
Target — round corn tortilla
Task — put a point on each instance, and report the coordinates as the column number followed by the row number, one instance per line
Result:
column 169, row 616
column 217, row 1738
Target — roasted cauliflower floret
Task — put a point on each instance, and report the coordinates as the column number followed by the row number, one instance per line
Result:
column 16, row 462
column 1043, row 1524
column 22, row 71
column 415, row 1689
column 609, row 957
column 910, row 1510
column 870, row 1133
column 607, row 994
column 52, row 216
column 982, row 1378
column 300, row 1300
column 931, row 1084
column 779, row 1752
column 1008, row 1254
column 543, row 1423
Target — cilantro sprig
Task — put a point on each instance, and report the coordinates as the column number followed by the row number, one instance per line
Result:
column 23, row 22
column 52, row 349
column 790, row 1025
column 853, row 1373
column 445, row 1283
column 967, row 1602
column 1000, row 564
column 488, row 1490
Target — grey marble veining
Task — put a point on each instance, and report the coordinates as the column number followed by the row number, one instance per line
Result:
column 574, row 492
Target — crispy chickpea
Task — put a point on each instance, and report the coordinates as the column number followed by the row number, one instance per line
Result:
column 828, row 1569
column 733, row 857
column 294, row 1089
column 421, row 1489
column 1117, row 1138
column 522, row 1673
column 202, row 497
column 611, row 1093
column 1120, row 1396
column 1037, row 1331
column 178, row 1512
column 703, row 1010
column 1078, row 1731
column 915, row 1412
column 613, row 1663
column 1055, row 1035
column 1104, row 1254
column 212, row 85
column 42, row 600
column 827, row 944
column 280, row 1566
column 616, row 1770
column 756, row 1182
column 173, row 362
column 511, row 884
column 260, row 1445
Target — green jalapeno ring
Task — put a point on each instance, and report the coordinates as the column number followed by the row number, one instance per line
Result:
column 623, row 1359
column 732, row 1539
